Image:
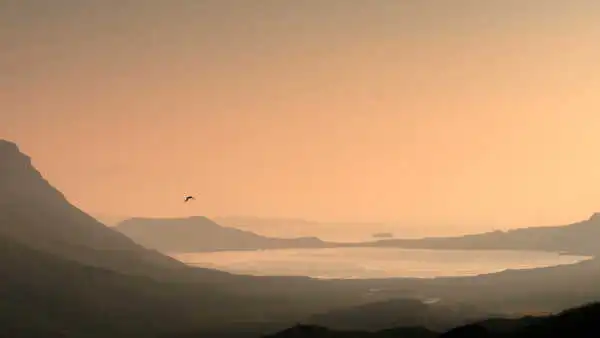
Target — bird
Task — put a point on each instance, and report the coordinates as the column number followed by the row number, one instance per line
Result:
column 188, row 198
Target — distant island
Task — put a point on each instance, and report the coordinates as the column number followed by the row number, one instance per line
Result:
column 579, row 238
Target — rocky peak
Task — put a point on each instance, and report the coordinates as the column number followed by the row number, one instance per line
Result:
column 595, row 217
column 11, row 158
column 36, row 214
column 20, row 180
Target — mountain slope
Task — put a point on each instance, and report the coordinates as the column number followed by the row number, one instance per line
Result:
column 202, row 234
column 42, row 295
column 36, row 214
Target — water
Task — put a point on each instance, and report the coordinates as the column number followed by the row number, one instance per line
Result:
column 367, row 263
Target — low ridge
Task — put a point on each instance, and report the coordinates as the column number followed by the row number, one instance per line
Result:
column 199, row 233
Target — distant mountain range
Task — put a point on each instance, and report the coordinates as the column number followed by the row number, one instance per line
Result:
column 196, row 234
column 577, row 238
column 579, row 322
column 202, row 234
column 327, row 230
column 262, row 222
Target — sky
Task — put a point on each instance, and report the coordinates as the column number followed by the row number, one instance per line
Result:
column 463, row 114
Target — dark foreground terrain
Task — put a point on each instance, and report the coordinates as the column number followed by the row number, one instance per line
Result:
column 578, row 322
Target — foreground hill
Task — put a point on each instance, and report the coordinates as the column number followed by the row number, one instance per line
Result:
column 197, row 234
column 581, row 322
column 42, row 295
column 440, row 315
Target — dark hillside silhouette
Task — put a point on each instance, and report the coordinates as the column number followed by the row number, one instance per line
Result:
column 400, row 312
column 42, row 295
column 580, row 322
column 36, row 214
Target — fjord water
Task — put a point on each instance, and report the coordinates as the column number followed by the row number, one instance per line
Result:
column 363, row 263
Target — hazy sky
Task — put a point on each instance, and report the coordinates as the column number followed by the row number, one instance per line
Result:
column 461, row 112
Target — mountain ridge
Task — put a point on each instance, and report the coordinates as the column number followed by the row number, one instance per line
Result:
column 578, row 238
column 199, row 233
column 580, row 322
column 37, row 214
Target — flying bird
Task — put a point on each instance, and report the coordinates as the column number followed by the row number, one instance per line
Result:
column 187, row 199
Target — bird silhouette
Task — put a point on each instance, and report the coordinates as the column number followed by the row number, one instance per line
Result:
column 187, row 199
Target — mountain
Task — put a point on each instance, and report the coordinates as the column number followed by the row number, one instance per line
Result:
column 576, row 238
column 34, row 213
column 43, row 295
column 314, row 331
column 580, row 322
column 196, row 234
column 376, row 316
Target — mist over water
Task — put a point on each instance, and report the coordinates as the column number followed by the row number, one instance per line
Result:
column 364, row 263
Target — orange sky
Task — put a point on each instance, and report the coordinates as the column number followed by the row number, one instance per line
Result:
column 466, row 113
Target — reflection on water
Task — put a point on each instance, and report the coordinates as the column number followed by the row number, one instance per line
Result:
column 373, row 262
